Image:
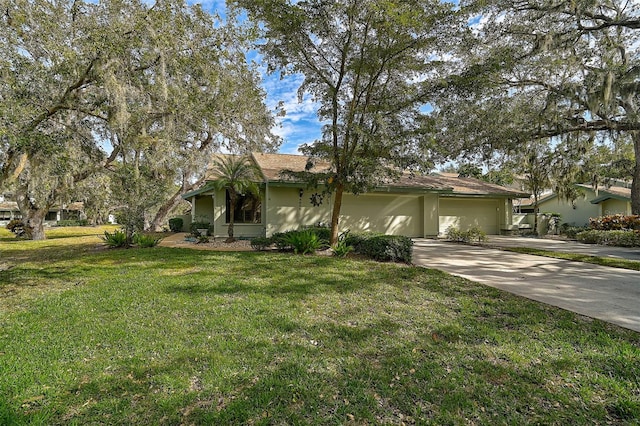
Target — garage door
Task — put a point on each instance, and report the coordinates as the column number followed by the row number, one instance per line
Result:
column 464, row 213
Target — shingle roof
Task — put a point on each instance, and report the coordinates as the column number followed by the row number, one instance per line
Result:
column 615, row 192
column 272, row 165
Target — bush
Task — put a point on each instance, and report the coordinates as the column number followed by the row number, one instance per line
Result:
column 322, row 232
column 280, row 240
column 115, row 240
column 176, row 224
column 261, row 243
column 72, row 222
column 19, row 228
column 616, row 222
column 341, row 249
column 474, row 234
column 146, row 241
column 571, row 231
column 202, row 239
column 610, row 238
column 304, row 242
column 200, row 225
column 387, row 248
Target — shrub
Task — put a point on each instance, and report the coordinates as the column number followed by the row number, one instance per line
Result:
column 386, row 248
column 146, row 241
column 200, row 225
column 115, row 240
column 342, row 248
column 615, row 222
column 280, row 240
column 322, row 232
column 304, row 242
column 176, row 224
column 571, row 231
column 261, row 243
column 19, row 228
column 474, row 234
column 610, row 238
column 72, row 222
column 202, row 239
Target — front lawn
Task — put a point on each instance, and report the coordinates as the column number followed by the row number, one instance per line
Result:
column 179, row 336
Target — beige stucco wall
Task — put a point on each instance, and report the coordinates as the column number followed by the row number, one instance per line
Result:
column 393, row 214
column 578, row 216
column 287, row 210
column 203, row 210
column 413, row 215
column 612, row 206
column 464, row 213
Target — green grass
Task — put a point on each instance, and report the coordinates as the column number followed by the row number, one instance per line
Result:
column 175, row 336
column 613, row 262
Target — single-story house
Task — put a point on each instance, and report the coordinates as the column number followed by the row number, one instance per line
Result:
column 414, row 206
column 73, row 211
column 592, row 203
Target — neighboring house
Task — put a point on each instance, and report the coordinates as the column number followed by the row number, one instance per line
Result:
column 607, row 201
column 414, row 206
column 9, row 210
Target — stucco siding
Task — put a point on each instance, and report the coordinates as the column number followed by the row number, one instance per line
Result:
column 287, row 209
column 391, row 214
column 578, row 216
column 616, row 207
column 464, row 213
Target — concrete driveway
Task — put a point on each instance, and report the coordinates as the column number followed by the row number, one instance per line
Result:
column 609, row 294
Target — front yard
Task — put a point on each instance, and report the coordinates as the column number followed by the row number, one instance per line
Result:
column 179, row 336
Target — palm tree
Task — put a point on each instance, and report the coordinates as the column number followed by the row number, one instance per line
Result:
column 237, row 175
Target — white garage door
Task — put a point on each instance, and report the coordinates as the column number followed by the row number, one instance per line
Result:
column 464, row 213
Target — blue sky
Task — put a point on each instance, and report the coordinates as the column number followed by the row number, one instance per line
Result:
column 300, row 125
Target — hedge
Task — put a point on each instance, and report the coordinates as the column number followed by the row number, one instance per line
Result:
column 610, row 238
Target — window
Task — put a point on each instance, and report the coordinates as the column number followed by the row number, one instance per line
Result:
column 248, row 209
column 51, row 216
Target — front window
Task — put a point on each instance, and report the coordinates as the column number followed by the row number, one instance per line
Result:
column 248, row 209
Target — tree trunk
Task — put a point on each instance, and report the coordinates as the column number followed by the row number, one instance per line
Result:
column 536, row 210
column 635, row 186
column 335, row 214
column 161, row 215
column 32, row 216
column 232, row 208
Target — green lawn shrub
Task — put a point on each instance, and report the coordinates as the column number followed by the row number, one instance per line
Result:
column 610, row 238
column 571, row 231
column 115, row 240
column 383, row 248
column 304, row 242
column 19, row 228
column 471, row 235
column 342, row 248
column 176, row 224
column 200, row 225
column 261, row 243
column 146, row 241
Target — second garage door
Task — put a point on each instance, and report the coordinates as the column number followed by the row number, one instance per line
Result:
column 464, row 213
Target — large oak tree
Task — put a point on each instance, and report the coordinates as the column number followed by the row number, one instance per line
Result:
column 365, row 62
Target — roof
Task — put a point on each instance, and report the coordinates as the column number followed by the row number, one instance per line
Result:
column 614, row 192
column 271, row 166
